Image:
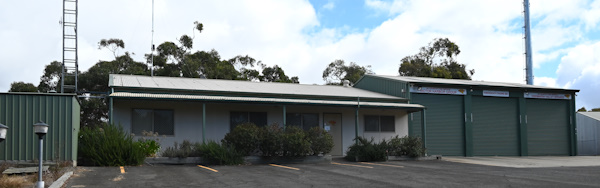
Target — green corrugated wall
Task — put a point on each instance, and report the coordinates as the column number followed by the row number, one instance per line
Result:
column 495, row 126
column 19, row 111
column 385, row 86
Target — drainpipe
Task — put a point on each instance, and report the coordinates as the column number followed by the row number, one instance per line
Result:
column 356, row 121
column 203, row 122
column 284, row 120
column 424, row 130
column 110, row 106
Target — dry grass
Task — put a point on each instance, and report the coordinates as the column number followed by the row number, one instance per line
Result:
column 54, row 172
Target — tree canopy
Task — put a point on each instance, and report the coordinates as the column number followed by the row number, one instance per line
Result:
column 437, row 60
column 337, row 71
column 22, row 87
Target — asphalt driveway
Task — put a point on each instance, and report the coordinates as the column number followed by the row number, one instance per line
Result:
column 337, row 174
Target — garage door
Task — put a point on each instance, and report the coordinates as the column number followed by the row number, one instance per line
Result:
column 445, row 123
column 495, row 126
column 547, row 127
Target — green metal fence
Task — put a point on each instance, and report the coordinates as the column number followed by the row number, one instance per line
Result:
column 19, row 111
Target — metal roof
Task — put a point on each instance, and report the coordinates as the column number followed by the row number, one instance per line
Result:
column 593, row 115
column 263, row 100
column 427, row 80
column 211, row 85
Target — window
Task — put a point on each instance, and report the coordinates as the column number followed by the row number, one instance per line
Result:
column 160, row 121
column 304, row 121
column 258, row 118
column 380, row 124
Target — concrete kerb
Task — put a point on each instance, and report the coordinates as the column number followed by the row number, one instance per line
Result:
column 61, row 181
column 247, row 160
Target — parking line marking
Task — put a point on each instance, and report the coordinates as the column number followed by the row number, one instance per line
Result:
column 122, row 170
column 207, row 168
column 398, row 166
column 351, row 165
column 285, row 167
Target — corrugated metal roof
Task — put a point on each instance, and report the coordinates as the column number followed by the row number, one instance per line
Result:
column 411, row 79
column 594, row 115
column 196, row 84
column 265, row 100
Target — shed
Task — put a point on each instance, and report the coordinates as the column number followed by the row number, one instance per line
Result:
column 479, row 118
column 588, row 131
column 19, row 111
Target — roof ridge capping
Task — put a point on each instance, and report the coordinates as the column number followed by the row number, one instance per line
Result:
column 414, row 79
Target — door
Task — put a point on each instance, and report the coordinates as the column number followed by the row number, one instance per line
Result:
column 333, row 123
column 548, row 126
column 495, row 126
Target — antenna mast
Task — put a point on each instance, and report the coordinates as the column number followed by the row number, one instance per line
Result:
column 152, row 41
column 70, row 67
column 528, row 52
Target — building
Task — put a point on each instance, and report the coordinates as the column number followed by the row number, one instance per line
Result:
column 19, row 111
column 477, row 118
column 588, row 131
column 206, row 109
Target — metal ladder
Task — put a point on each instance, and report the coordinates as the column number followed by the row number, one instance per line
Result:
column 70, row 67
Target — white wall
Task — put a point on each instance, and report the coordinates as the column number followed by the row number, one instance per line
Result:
column 188, row 118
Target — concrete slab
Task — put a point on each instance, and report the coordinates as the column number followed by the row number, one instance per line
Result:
column 25, row 170
column 530, row 162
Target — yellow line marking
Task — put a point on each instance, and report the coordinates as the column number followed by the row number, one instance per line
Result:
column 122, row 170
column 207, row 168
column 351, row 165
column 285, row 167
column 383, row 164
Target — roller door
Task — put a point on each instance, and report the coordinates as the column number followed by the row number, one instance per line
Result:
column 445, row 123
column 547, row 127
column 495, row 126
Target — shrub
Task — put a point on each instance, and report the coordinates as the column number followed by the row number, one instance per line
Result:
column 395, row 146
column 244, row 138
column 220, row 154
column 109, row 145
column 366, row 150
column 412, row 146
column 320, row 141
column 183, row 150
column 149, row 143
column 270, row 140
column 295, row 142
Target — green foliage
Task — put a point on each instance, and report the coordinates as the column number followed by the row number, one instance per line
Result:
column 436, row 60
column 595, row 110
column 149, row 142
column 321, row 142
column 367, row 150
column 109, row 145
column 220, row 154
column 294, row 142
column 244, row 138
column 183, row 150
column 411, row 146
column 50, row 80
column 582, row 109
column 276, row 74
column 271, row 137
column 337, row 71
column 22, row 87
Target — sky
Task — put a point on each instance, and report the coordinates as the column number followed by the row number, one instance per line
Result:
column 303, row 37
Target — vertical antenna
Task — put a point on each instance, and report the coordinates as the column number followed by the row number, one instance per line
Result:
column 70, row 67
column 528, row 52
column 152, row 41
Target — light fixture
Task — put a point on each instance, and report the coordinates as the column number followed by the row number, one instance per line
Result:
column 3, row 129
column 419, row 88
column 40, row 128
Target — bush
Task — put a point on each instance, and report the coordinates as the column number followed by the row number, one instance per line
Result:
column 295, row 142
column 366, row 150
column 149, row 143
column 270, row 140
column 412, row 146
column 320, row 141
column 220, row 154
column 183, row 150
column 109, row 145
column 244, row 138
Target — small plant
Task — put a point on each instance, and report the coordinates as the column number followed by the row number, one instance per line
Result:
column 270, row 140
column 295, row 142
column 150, row 143
column 367, row 150
column 183, row 150
column 412, row 146
column 109, row 145
column 244, row 138
column 220, row 154
column 321, row 142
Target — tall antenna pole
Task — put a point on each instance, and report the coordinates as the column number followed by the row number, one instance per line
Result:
column 528, row 52
column 70, row 65
column 152, row 41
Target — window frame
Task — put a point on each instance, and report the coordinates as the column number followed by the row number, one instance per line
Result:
column 379, row 123
column 302, row 125
column 247, row 119
column 153, row 121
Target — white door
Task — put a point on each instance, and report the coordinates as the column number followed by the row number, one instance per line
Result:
column 333, row 123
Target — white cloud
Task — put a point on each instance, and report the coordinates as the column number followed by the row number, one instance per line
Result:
column 545, row 81
column 329, row 6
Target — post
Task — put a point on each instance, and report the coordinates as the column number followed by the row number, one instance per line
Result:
column 40, row 183
column 284, row 118
column 203, row 122
column 424, row 130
